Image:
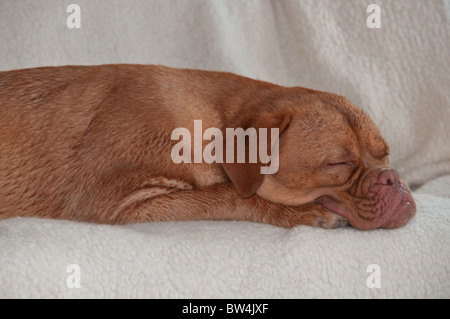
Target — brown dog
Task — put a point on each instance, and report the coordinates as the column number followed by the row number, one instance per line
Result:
column 93, row 143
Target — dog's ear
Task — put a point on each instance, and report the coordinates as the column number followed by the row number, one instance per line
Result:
column 247, row 176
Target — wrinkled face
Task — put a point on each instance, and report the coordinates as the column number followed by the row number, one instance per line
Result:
column 332, row 153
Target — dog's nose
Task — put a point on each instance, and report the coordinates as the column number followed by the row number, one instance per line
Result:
column 389, row 177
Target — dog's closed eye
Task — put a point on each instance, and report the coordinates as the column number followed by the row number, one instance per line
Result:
column 339, row 164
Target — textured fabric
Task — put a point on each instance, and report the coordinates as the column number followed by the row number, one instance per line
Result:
column 399, row 74
column 226, row 259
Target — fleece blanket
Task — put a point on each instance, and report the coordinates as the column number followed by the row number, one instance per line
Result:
column 49, row 258
column 398, row 73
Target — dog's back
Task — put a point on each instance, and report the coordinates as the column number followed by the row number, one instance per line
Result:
column 76, row 139
column 39, row 126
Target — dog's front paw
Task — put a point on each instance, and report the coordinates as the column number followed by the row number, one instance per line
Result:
column 330, row 220
column 312, row 215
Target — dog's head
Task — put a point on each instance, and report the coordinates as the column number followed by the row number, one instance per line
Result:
column 330, row 152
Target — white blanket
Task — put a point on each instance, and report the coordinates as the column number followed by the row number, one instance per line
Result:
column 399, row 74
column 226, row 259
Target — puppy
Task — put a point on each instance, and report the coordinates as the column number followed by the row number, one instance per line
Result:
column 96, row 144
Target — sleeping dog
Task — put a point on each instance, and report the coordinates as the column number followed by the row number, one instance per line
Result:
column 96, row 143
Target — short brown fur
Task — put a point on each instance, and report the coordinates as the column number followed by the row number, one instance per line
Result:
column 93, row 143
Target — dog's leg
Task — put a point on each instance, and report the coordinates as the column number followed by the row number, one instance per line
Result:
column 222, row 202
